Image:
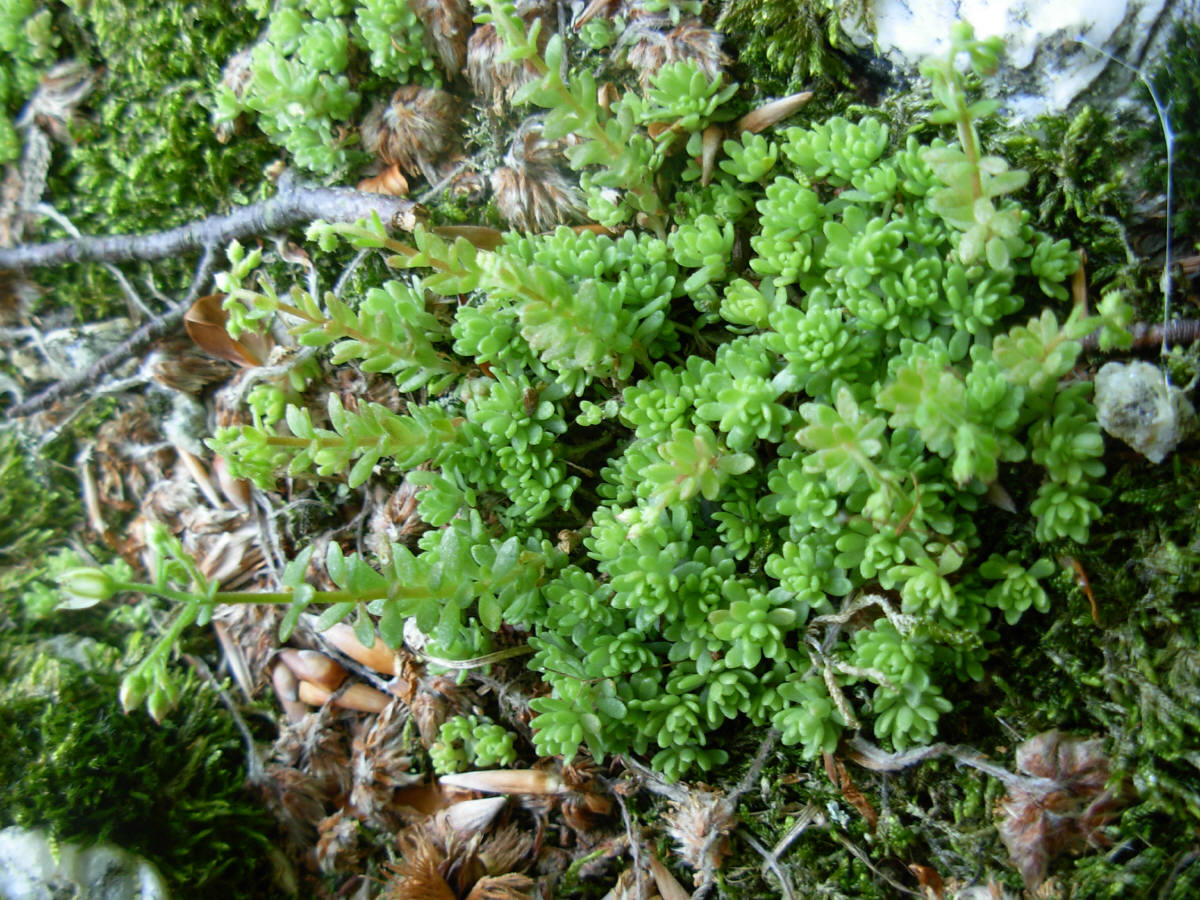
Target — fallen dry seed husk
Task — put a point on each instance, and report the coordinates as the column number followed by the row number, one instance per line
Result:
column 471, row 816
column 769, row 113
column 236, row 490
column 309, row 665
column 236, row 660
column 361, row 697
column 594, row 228
column 379, row 656
column 508, row 781
column 480, row 236
column 606, row 95
column 287, row 690
column 710, row 143
column 668, row 887
column 199, row 475
column 390, row 181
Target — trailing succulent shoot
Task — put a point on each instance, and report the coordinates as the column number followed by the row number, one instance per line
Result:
column 705, row 493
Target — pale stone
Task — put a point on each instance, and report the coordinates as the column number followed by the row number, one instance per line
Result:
column 1044, row 68
column 1135, row 402
column 34, row 868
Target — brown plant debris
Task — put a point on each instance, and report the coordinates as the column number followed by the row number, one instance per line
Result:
column 1062, row 812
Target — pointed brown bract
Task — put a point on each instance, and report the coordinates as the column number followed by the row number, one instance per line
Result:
column 437, row 864
column 309, row 665
column 532, row 194
column 339, row 848
column 382, row 761
column 668, row 886
column 700, row 826
column 413, row 129
column 1064, row 814
column 236, row 77
column 763, row 117
column 652, row 47
column 493, row 79
column 502, row 887
column 448, row 25
column 378, row 656
column 418, row 874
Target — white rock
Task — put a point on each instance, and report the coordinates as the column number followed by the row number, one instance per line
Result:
column 1045, row 69
column 1134, row 402
column 32, row 869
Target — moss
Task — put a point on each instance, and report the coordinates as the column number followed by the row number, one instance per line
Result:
column 787, row 44
column 144, row 155
column 79, row 768
column 38, row 507
column 1177, row 83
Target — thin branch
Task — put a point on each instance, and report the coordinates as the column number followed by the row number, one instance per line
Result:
column 771, row 864
column 130, row 347
column 132, row 298
column 869, row 756
column 294, row 204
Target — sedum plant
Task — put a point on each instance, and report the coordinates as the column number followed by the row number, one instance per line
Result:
column 704, row 493
column 297, row 84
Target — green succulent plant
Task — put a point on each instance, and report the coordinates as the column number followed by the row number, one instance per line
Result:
column 743, row 450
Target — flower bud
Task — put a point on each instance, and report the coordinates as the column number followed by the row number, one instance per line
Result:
column 134, row 688
column 160, row 704
column 87, row 584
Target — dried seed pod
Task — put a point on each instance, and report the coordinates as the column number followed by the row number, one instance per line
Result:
column 394, row 518
column 412, row 129
column 338, row 845
column 179, row 364
column 700, row 825
column 607, row 95
column 532, row 194
column 314, row 667
column 493, row 79
column 236, row 77
column 585, row 811
column 195, row 468
column 448, row 25
column 652, row 48
column 382, row 761
column 418, row 871
column 430, row 708
column 237, row 491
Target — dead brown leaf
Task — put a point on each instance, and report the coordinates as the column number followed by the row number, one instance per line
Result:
column 205, row 324
column 836, row 770
column 930, row 881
